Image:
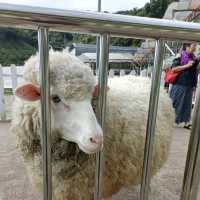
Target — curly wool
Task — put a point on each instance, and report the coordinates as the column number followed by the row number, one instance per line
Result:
column 75, row 82
column 73, row 170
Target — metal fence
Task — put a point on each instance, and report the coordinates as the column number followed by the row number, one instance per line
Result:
column 106, row 26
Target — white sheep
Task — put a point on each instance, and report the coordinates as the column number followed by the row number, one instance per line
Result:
column 76, row 132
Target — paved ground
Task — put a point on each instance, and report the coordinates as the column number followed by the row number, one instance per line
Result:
column 14, row 184
column 166, row 185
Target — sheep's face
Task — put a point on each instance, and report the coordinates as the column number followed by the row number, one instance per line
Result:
column 76, row 122
column 72, row 83
column 74, row 119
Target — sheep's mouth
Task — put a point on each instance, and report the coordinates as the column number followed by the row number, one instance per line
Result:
column 88, row 150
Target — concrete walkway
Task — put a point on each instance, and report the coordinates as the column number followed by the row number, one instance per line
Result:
column 15, row 185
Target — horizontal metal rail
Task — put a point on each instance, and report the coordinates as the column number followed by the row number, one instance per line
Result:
column 96, row 23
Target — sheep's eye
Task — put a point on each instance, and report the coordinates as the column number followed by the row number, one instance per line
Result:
column 56, row 98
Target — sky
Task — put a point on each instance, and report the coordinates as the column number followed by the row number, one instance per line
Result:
column 107, row 5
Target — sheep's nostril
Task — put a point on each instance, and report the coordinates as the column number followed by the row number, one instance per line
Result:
column 96, row 140
column 92, row 140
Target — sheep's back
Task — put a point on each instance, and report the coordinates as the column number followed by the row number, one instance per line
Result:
column 127, row 110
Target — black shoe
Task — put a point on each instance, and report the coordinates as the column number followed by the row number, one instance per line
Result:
column 189, row 126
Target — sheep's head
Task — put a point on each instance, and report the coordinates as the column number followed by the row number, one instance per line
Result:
column 72, row 84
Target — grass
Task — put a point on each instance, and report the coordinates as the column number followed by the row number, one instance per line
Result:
column 8, row 91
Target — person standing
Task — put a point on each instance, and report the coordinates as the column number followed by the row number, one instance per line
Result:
column 181, row 92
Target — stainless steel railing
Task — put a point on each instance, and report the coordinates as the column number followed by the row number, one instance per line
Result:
column 151, row 120
column 44, row 19
column 103, row 76
column 43, row 43
column 95, row 23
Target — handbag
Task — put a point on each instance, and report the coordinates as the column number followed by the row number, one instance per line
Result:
column 171, row 76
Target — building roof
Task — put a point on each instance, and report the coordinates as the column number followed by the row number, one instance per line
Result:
column 113, row 57
column 91, row 48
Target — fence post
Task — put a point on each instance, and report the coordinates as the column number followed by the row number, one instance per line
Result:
column 133, row 72
column 2, row 99
column 43, row 43
column 151, row 122
column 122, row 72
column 13, row 70
column 98, row 42
column 103, row 76
column 163, row 79
column 143, row 73
column 192, row 173
column 111, row 73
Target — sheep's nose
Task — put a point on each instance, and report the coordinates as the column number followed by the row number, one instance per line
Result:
column 96, row 140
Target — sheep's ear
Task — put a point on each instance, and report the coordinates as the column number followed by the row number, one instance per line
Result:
column 96, row 90
column 28, row 92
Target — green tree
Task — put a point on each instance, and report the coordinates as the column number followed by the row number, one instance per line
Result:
column 59, row 41
column 155, row 9
column 82, row 38
column 17, row 45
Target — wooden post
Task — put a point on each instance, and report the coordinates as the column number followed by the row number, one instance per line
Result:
column 13, row 70
column 2, row 99
column 122, row 72
column 111, row 73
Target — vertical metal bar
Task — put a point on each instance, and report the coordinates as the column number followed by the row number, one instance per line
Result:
column 98, row 42
column 196, row 175
column 151, row 122
column 43, row 43
column 103, row 76
column 98, row 54
column 99, row 6
column 173, row 14
column 192, row 173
